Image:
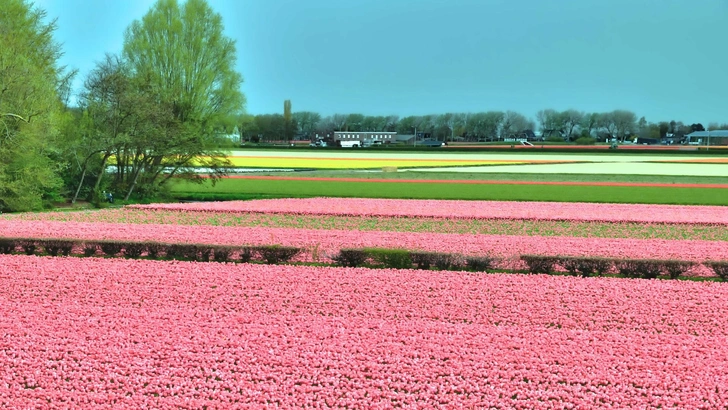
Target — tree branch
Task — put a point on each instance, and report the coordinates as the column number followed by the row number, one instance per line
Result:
column 16, row 116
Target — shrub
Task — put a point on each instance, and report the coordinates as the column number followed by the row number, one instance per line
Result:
column 445, row 261
column 182, row 251
column 154, row 249
column 720, row 268
column 55, row 247
column 222, row 253
column 90, row 249
column 585, row 141
column 205, row 253
column 245, row 254
column 29, row 246
column 602, row 265
column 134, row 249
column 274, row 254
column 423, row 260
column 639, row 268
column 539, row 263
column 350, row 258
column 676, row 268
column 585, row 266
column 479, row 263
column 111, row 248
column 626, row 268
column 7, row 245
column 555, row 138
column 391, row 258
column 571, row 264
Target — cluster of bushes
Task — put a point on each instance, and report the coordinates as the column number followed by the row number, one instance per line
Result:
column 271, row 254
column 630, row 268
column 405, row 259
column 356, row 257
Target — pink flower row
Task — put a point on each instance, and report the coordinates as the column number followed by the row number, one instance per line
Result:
column 328, row 242
column 88, row 333
column 646, row 213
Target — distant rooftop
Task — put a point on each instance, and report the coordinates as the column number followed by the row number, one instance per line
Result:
column 716, row 133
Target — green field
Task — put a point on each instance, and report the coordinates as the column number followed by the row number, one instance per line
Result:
column 580, row 167
column 243, row 188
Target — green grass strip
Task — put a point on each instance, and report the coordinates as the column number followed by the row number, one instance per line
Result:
column 244, row 188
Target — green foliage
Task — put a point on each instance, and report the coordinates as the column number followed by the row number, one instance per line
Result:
column 29, row 246
column 639, row 268
column 245, row 254
column 154, row 250
column 134, row 249
column 423, row 260
column 111, row 248
column 538, row 264
column 222, row 253
column 479, row 263
column 585, row 266
column 273, row 254
column 90, row 249
column 555, row 138
column 29, row 107
column 8, row 245
column 350, row 258
column 183, row 251
column 391, row 258
column 720, row 268
column 676, row 268
column 447, row 261
column 55, row 247
column 586, row 141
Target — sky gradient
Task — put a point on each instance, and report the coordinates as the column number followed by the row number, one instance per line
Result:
column 662, row 59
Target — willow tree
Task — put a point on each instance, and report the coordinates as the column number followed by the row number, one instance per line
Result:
column 177, row 53
column 29, row 106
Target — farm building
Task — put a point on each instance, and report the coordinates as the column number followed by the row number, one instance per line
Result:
column 717, row 137
column 361, row 136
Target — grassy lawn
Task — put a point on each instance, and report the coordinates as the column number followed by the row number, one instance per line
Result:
column 243, row 189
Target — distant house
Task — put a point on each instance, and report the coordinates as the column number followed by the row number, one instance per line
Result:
column 234, row 136
column 361, row 136
column 717, row 137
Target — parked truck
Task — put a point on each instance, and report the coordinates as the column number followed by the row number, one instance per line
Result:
column 349, row 144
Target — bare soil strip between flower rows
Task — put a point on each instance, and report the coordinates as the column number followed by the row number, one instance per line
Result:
column 482, row 182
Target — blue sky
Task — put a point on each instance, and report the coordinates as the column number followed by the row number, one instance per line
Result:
column 664, row 59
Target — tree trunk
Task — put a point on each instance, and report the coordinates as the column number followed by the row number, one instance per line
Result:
column 133, row 184
column 101, row 171
column 80, row 183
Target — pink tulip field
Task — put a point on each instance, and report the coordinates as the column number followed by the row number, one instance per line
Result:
column 114, row 333
column 329, row 242
column 647, row 213
column 110, row 332
column 523, row 227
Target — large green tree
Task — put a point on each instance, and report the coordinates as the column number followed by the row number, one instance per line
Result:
column 30, row 107
column 177, row 53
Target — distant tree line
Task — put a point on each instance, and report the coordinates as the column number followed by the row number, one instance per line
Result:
column 568, row 125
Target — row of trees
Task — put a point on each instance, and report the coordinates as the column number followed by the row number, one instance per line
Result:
column 566, row 125
column 143, row 117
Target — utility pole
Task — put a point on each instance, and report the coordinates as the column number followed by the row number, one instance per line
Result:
column 415, row 136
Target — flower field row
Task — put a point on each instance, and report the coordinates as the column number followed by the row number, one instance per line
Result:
column 85, row 333
column 328, row 242
column 646, row 213
column 585, row 229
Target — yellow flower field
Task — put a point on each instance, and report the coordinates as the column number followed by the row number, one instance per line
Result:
column 362, row 163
